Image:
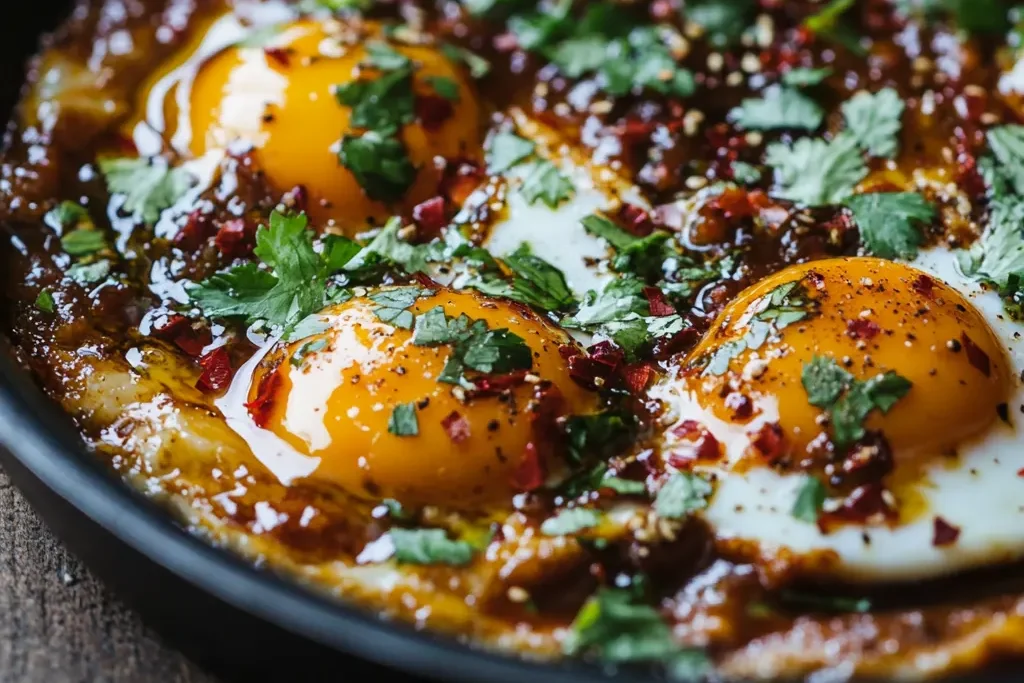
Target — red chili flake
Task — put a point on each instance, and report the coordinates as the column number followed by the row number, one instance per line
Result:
column 697, row 444
column 770, row 441
column 296, row 199
column 425, row 280
column 924, row 285
column 976, row 356
column 234, row 238
column 638, row 376
column 733, row 203
column 197, row 228
column 740, row 404
column 870, row 458
column 1020, row 472
column 660, row 308
column 217, row 371
column 945, row 533
column 459, row 179
column 430, row 217
column 635, row 220
column 278, row 55
column 596, row 367
column 456, row 426
column 259, row 407
column 169, row 325
column 529, row 476
column 193, row 341
column 433, row 111
column 862, row 328
column 495, row 384
column 634, row 131
column 816, row 279
column 666, row 347
column 863, row 503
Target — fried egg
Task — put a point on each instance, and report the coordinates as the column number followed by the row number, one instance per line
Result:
column 939, row 494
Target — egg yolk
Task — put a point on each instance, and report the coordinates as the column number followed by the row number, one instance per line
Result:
column 364, row 396
column 280, row 97
column 869, row 317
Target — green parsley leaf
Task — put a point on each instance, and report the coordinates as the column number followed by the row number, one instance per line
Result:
column 445, row 87
column 389, row 246
column 393, row 305
column 83, row 242
column 570, row 521
column 384, row 57
column 1000, row 251
column 1007, row 144
column 429, row 546
column 642, row 256
column 887, row 222
column 495, row 351
column 614, row 626
column 535, row 283
column 827, row 22
column 90, row 273
column 804, row 77
column 875, row 121
column 745, row 174
column 403, row 421
column 547, row 183
column 814, row 172
column 66, row 215
column 598, row 435
column 624, row 487
column 507, row 150
column 149, row 186
column 779, row 109
column 474, row 346
column 380, row 164
column 383, row 104
column 477, row 65
column 723, row 21
column 620, row 299
column 824, row 381
column 830, row 603
column 809, row 500
column 299, row 357
column 44, row 302
column 682, row 494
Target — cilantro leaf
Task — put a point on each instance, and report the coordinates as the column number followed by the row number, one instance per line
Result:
column 814, row 172
column 809, row 500
column 149, row 185
column 1007, row 144
column 83, row 242
column 475, row 347
column 1000, row 251
column 44, row 301
column 886, row 221
column 389, row 246
column 548, row 184
column 723, row 21
column 535, row 282
column 824, row 381
column 618, row 629
column 393, row 305
column 598, row 435
column 477, row 65
column 828, row 23
column 506, row 150
column 682, row 494
column 383, row 57
column 445, row 87
column 570, row 521
column 380, row 164
column 383, row 104
column 744, row 173
column 66, row 215
column 429, row 546
column 619, row 299
column 875, row 121
column 805, row 77
column 495, row 351
column 403, row 421
column 779, row 109
column 643, row 256
column 240, row 292
column 89, row 273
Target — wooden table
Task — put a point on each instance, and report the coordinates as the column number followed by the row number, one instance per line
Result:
column 60, row 625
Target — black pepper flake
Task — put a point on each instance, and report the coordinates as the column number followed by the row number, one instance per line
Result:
column 494, row 425
column 1003, row 410
column 976, row 356
column 953, row 345
column 423, row 403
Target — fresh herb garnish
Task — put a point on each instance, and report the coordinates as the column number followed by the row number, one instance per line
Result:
column 779, row 109
column 392, row 305
column 874, row 121
column 44, row 302
column 547, row 183
column 804, row 77
column 403, row 420
column 477, row 65
column 380, row 164
column 598, row 435
column 445, row 87
column 642, row 256
column 723, row 21
column 814, row 172
column 809, row 500
column 888, row 222
column 428, row 547
column 848, row 401
column 474, row 346
column 89, row 273
column 570, row 521
column 66, row 216
column 149, row 186
column 682, row 494
column 83, row 242
column 506, row 150
column 535, row 282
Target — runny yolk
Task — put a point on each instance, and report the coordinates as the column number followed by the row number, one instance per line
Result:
column 334, row 396
column 280, row 98
column 870, row 317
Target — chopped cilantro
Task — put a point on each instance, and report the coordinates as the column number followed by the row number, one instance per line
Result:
column 403, row 421
column 779, row 109
column 744, row 173
column 342, row 5
column 90, row 273
column 384, row 57
column 814, row 172
column 429, row 546
column 83, row 242
column 44, row 302
column 149, row 186
column 723, row 21
column 299, row 357
column 888, row 222
column 66, row 215
column 393, row 305
column 1000, row 251
column 477, row 65
column 828, row 23
column 570, row 521
column 617, row 628
column 804, row 77
column 625, row 487
column 682, row 494
column 874, row 120
column 809, row 500
column 829, row 603
column 474, row 346
column 389, row 246
column 380, row 164
column 445, row 87
column 1007, row 144
column 642, row 256
column 548, row 184
column 598, row 435
column 849, row 401
column 383, row 104
column 506, row 150
column 535, row 282
column 619, row 299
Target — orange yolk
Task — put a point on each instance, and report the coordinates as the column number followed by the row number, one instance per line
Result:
column 871, row 316
column 333, row 395
column 281, row 99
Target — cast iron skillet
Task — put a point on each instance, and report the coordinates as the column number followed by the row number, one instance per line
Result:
column 242, row 623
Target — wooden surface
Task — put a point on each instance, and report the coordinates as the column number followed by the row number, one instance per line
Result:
column 60, row 625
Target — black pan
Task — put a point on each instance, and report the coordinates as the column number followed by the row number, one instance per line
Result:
column 240, row 622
